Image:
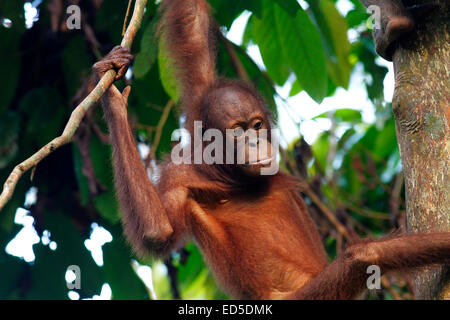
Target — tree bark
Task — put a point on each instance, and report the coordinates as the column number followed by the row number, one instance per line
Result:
column 421, row 107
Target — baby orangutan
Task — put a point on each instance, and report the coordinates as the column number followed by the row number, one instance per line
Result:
column 254, row 230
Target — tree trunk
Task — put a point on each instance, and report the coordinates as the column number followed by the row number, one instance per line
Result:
column 421, row 107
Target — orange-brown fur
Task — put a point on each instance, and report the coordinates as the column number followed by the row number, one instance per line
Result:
column 254, row 232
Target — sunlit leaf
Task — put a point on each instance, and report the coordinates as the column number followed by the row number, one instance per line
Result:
column 166, row 72
column 148, row 54
column 386, row 142
column 265, row 35
column 342, row 115
column 333, row 29
column 320, row 149
column 296, row 88
column 226, row 11
column 161, row 282
column 302, row 48
column 356, row 17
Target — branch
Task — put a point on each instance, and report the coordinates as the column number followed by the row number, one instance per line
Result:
column 237, row 64
column 77, row 114
column 160, row 127
column 342, row 230
column 327, row 212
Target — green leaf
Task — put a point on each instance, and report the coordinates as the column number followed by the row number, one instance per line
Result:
column 291, row 43
column 333, row 30
column 358, row 5
column 148, row 53
column 367, row 55
column 15, row 269
column 247, row 37
column 76, row 64
column 386, row 141
column 161, row 282
column 342, row 115
column 101, row 161
column 255, row 6
column 331, row 87
column 302, row 48
column 11, row 266
column 107, row 205
column 43, row 107
column 295, row 89
column 266, row 37
column 193, row 265
column 148, row 97
column 368, row 140
column 226, row 11
column 345, row 138
column 356, row 17
column 290, row 6
column 166, row 72
column 320, row 149
column 119, row 274
column 106, row 202
column 194, row 278
column 47, row 274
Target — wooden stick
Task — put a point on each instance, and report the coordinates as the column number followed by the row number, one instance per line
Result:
column 77, row 114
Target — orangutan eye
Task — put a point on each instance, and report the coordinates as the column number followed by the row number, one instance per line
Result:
column 258, row 125
column 238, row 131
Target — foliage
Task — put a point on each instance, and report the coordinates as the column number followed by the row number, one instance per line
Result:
column 354, row 166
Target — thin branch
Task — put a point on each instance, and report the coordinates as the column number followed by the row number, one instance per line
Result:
column 126, row 17
column 366, row 212
column 235, row 61
column 77, row 114
column 92, row 39
column 160, row 127
column 316, row 200
column 327, row 212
